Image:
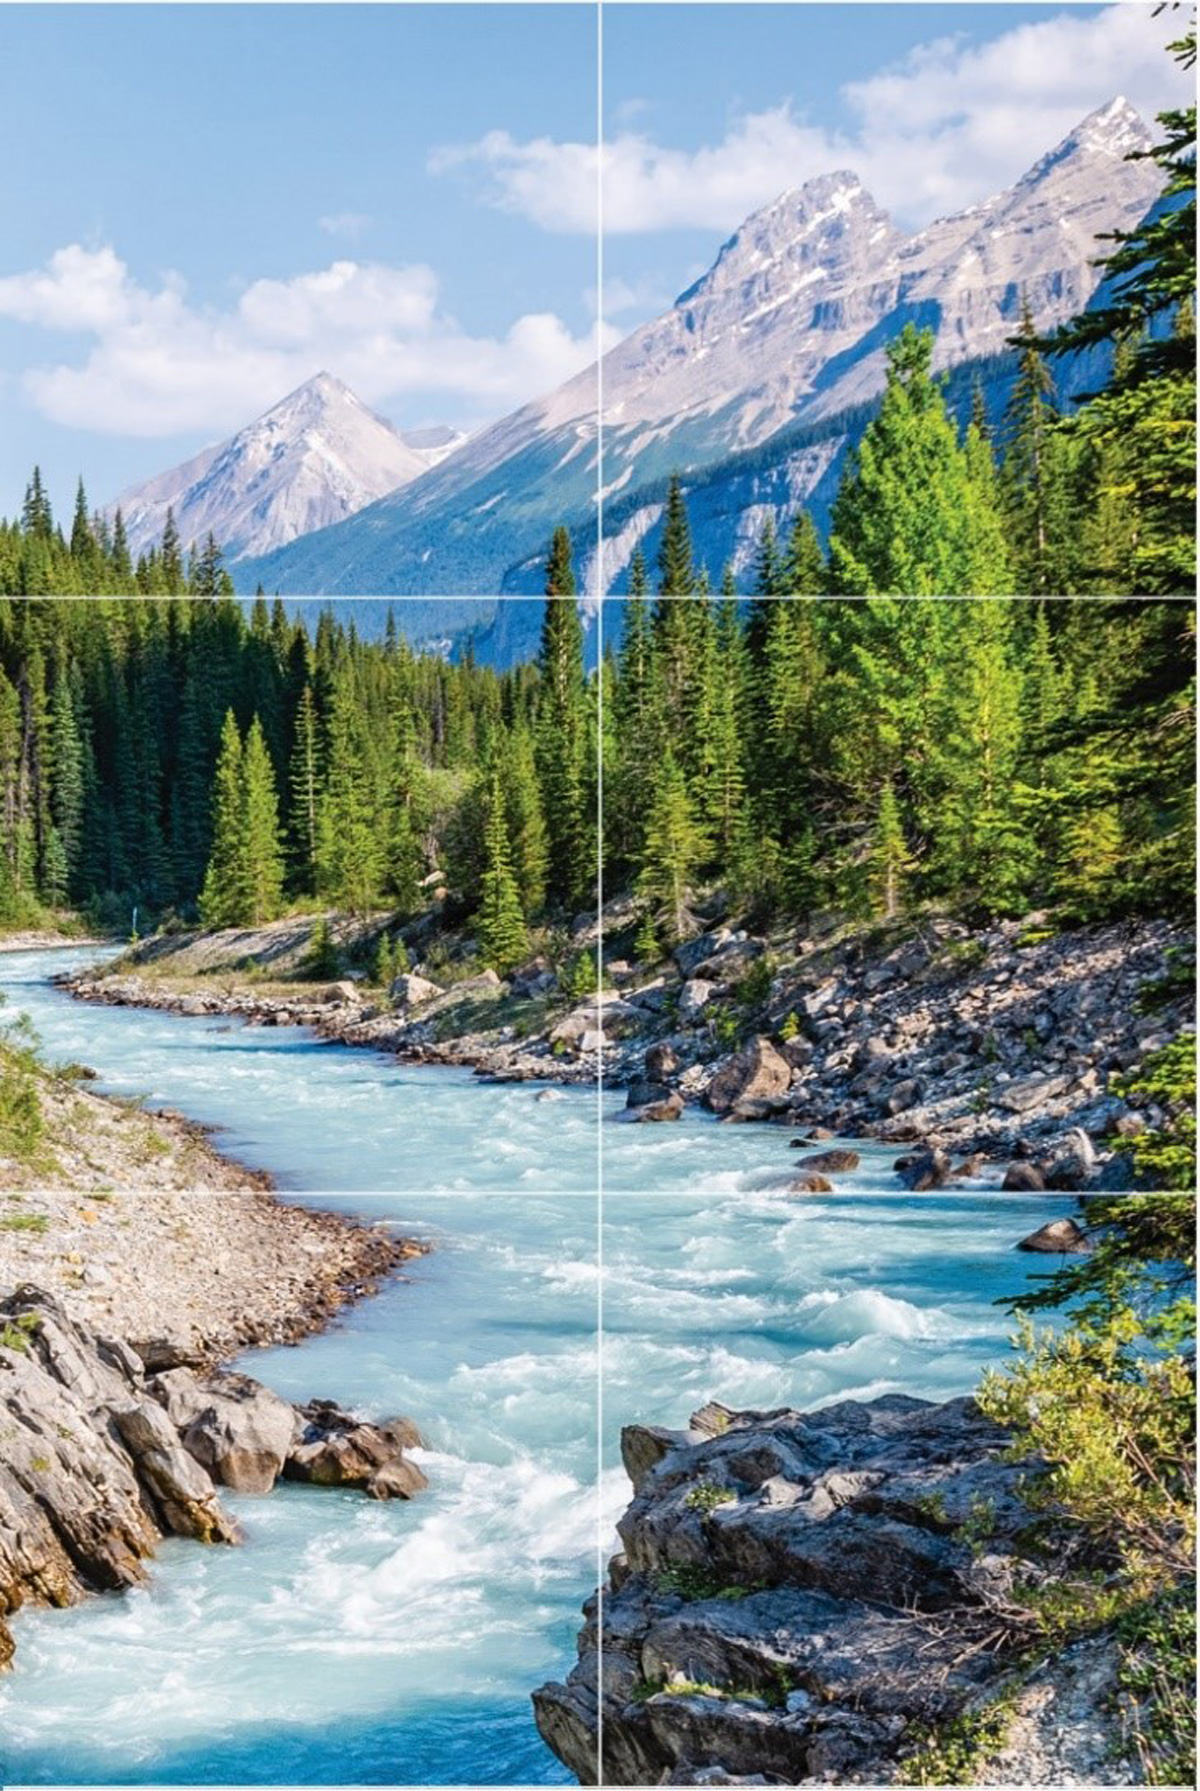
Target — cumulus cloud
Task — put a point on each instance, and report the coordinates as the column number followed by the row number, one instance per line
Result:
column 159, row 365
column 945, row 127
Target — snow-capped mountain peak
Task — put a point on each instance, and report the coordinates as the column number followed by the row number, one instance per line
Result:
column 316, row 457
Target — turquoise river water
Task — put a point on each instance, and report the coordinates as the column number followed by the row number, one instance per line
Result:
column 353, row 1642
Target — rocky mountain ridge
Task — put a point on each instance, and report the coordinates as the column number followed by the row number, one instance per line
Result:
column 315, row 458
column 790, row 325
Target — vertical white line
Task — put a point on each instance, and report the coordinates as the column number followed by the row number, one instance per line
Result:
column 599, row 584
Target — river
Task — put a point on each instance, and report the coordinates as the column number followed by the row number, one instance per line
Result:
column 353, row 1642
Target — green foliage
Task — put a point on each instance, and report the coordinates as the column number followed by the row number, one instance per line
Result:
column 321, row 960
column 956, row 1751
column 645, row 945
column 917, row 513
column 16, row 1333
column 1158, row 1686
column 1164, row 1157
column 500, row 921
column 688, row 1580
column 790, row 1028
column 35, row 1222
column 706, row 1495
column 22, row 1126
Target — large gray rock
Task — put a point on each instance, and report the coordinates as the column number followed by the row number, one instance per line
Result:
column 411, row 990
column 237, row 1429
column 756, row 1073
column 694, row 997
column 1057, row 1237
column 810, row 1623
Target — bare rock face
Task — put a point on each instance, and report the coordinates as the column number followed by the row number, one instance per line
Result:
column 92, row 1473
column 99, row 1460
column 757, row 1073
column 793, row 1596
column 410, row 990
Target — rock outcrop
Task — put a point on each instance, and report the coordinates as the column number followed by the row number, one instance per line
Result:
column 799, row 1597
column 100, row 1460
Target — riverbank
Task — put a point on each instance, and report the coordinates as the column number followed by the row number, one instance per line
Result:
column 831, row 1596
column 116, row 1309
column 185, row 1278
column 1011, row 1044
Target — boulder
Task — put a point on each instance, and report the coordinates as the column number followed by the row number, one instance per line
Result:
column 1023, row 1176
column 661, row 1061
column 810, row 1184
column 924, row 1169
column 1031, row 1092
column 903, row 1095
column 410, row 990
column 1074, row 1168
column 238, row 1430
column 694, row 997
column 1060, row 1237
column 343, row 994
column 335, row 1449
column 831, row 1162
column 757, row 1072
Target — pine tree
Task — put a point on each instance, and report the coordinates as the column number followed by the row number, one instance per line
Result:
column 260, row 871
column 66, row 798
column 350, row 841
column 499, row 923
column 560, row 747
column 560, row 570
column 889, row 858
column 306, row 785
column 676, row 573
column 911, row 518
column 675, row 847
column 221, row 899
column 768, row 569
column 804, row 571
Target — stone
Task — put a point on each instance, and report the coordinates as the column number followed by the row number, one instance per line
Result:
column 662, row 1060
column 756, row 1072
column 238, row 1430
column 924, row 1170
column 694, row 997
column 1032, row 1091
column 1057, row 1237
column 410, row 990
column 810, row 1184
column 1023, row 1176
column 831, row 1162
column 341, row 994
column 904, row 1095
column 179, row 1487
column 335, row 1449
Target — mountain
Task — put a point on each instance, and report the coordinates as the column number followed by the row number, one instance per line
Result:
column 315, row 458
column 788, row 329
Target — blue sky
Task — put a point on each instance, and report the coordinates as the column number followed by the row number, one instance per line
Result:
column 202, row 205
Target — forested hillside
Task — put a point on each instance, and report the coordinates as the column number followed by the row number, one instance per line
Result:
column 867, row 757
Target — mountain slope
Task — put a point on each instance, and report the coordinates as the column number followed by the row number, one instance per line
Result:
column 315, row 458
column 789, row 326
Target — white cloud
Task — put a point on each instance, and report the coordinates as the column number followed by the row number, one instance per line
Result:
column 348, row 224
column 159, row 365
column 945, row 127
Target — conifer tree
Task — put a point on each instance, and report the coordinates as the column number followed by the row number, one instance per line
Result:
column 560, row 569
column 675, row 847
column 350, row 844
column 261, row 857
column 561, row 745
column 676, row 573
column 804, row 570
column 500, row 922
column 889, row 858
column 305, row 782
column 221, row 899
column 912, row 517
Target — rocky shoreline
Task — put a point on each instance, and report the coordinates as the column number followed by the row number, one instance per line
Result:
column 1001, row 1045
column 119, row 1427
column 103, row 1457
column 809, row 1597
